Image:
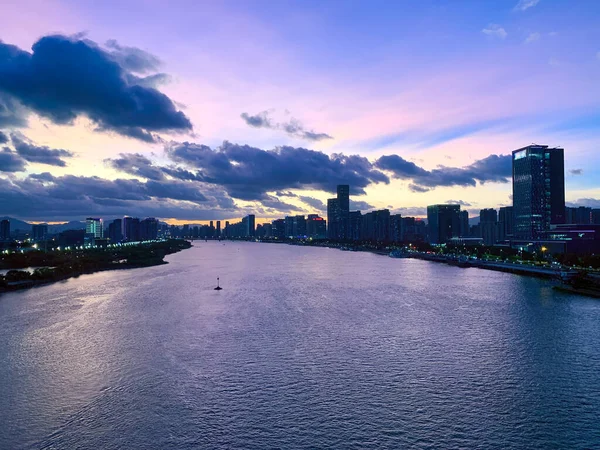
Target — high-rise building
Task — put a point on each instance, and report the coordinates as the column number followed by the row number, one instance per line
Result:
column 316, row 227
column 443, row 223
column 505, row 223
column 538, row 190
column 278, row 228
column 248, row 224
column 115, row 231
column 39, row 232
column 338, row 213
column 581, row 215
column 218, row 228
column 355, row 221
column 376, row 226
column 5, row 230
column 131, row 229
column 396, row 228
column 94, row 228
column 596, row 216
column 413, row 230
column 464, row 223
column 148, row 229
column 488, row 219
column 343, row 197
column 333, row 222
column 289, row 226
column 299, row 226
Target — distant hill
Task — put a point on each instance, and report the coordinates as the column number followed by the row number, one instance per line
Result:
column 474, row 220
column 16, row 224
column 60, row 227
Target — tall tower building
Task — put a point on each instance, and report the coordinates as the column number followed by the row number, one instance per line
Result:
column 343, row 198
column 443, row 223
column 488, row 225
column 538, row 190
column 94, row 228
column 332, row 218
column 338, row 214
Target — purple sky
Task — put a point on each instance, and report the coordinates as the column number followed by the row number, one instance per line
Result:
column 210, row 110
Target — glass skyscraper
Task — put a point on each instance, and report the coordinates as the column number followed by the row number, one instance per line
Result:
column 538, row 190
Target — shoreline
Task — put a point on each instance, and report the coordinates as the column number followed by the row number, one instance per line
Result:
column 53, row 276
column 512, row 268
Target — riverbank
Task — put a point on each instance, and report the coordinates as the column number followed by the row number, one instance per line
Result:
column 60, row 266
column 592, row 288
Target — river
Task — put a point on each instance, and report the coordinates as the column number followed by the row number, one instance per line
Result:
column 303, row 348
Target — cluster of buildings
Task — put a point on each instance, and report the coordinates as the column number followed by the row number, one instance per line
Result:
column 537, row 219
column 380, row 226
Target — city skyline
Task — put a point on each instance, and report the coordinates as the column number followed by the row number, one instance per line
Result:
column 254, row 117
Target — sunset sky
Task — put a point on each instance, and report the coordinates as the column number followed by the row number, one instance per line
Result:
column 190, row 111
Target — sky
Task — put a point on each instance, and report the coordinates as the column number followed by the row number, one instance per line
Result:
column 191, row 111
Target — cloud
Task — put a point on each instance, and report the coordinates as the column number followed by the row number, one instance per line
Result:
column 313, row 202
column 69, row 196
column 133, row 58
column 360, row 205
column 293, row 127
column 67, row 77
column 248, row 173
column 458, row 202
column 39, row 154
column 523, row 5
column 494, row 168
column 532, row 38
column 410, row 211
column 3, row 138
column 12, row 114
column 576, row 171
column 589, row 202
column 260, row 120
column 136, row 164
column 11, row 161
column 495, row 30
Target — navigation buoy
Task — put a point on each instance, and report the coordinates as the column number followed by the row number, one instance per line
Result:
column 218, row 288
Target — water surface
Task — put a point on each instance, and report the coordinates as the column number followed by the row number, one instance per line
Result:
column 304, row 347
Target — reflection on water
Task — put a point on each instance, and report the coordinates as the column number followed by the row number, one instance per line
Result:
column 304, row 347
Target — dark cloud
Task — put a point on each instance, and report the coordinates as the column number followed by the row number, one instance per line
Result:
column 39, row 154
column 136, row 164
column 458, row 202
column 133, row 58
column 260, row 120
column 411, row 211
column 248, row 173
column 360, row 205
column 3, row 138
column 274, row 204
column 294, row 127
column 12, row 114
column 576, row 171
column 589, row 202
column 71, row 196
column 313, row 203
column 66, row 77
column 494, row 168
column 11, row 161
